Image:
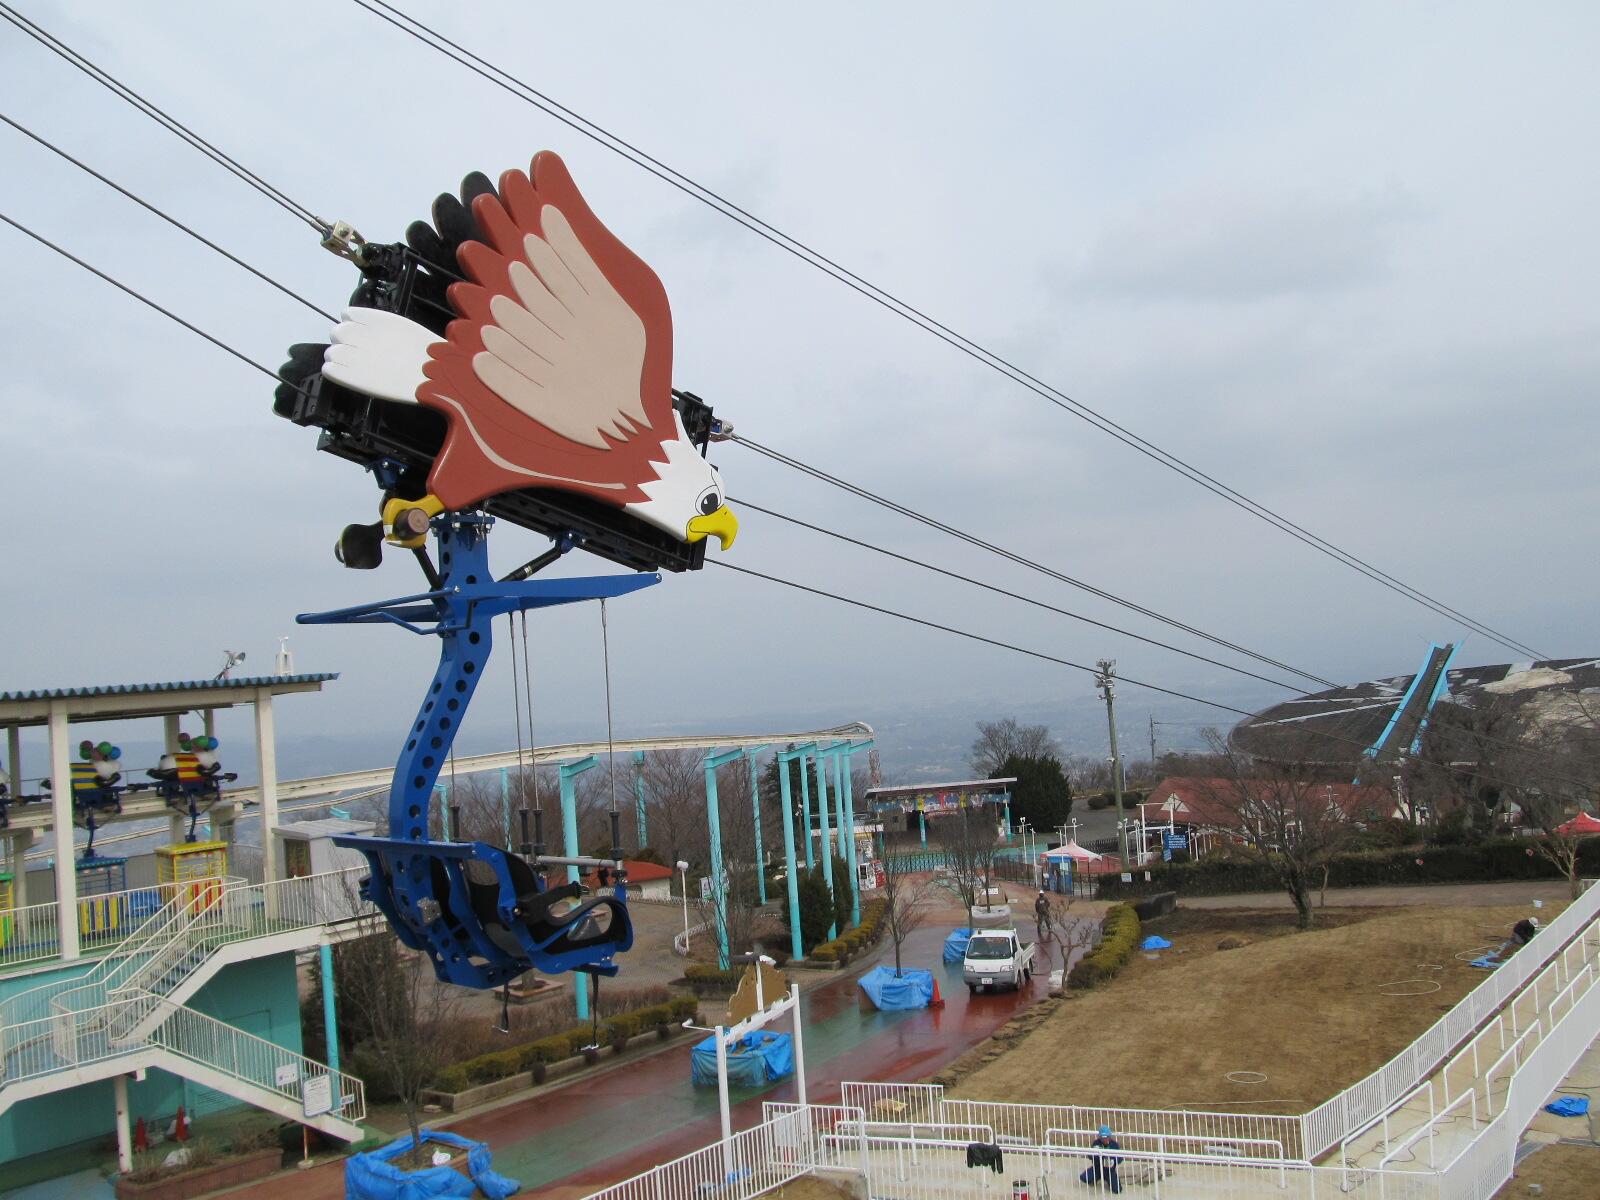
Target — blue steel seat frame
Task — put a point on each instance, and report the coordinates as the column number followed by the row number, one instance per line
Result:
column 427, row 889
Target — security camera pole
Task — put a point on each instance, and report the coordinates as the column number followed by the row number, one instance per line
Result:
column 1106, row 679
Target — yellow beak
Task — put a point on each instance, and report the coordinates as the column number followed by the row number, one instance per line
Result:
column 722, row 523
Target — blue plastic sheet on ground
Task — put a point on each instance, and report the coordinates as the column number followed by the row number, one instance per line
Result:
column 753, row 1061
column 1155, row 943
column 912, row 988
column 955, row 946
column 374, row 1176
column 1487, row 963
column 1569, row 1106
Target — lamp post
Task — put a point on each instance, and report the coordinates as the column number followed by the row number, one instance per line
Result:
column 683, row 888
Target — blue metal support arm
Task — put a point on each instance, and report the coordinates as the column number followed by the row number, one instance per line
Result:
column 483, row 916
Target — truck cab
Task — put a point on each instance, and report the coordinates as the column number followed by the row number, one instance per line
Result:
column 996, row 958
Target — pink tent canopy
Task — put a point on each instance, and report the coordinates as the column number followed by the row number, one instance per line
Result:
column 1073, row 851
column 1581, row 824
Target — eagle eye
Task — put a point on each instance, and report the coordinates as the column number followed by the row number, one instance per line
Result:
column 709, row 503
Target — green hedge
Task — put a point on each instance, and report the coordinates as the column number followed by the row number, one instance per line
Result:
column 1119, row 938
column 1498, row 859
column 852, row 941
column 500, row 1064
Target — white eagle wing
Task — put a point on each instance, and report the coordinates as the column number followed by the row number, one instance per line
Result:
column 566, row 349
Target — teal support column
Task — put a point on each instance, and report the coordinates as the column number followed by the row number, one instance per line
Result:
column 505, row 804
column 823, row 837
column 844, row 827
column 922, row 825
column 1008, row 816
column 790, row 873
column 443, row 789
column 750, row 753
column 330, row 1017
column 569, row 837
column 719, row 877
column 805, row 810
column 847, row 804
column 638, row 797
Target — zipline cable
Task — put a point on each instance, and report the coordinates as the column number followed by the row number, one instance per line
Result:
column 108, row 81
column 1000, row 591
column 168, row 218
column 524, row 91
column 983, row 544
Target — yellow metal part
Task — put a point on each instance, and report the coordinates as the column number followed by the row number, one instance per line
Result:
column 722, row 525
column 429, row 504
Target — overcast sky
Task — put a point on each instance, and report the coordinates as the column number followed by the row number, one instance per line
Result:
column 1341, row 257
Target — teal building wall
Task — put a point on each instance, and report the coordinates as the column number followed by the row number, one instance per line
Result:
column 260, row 997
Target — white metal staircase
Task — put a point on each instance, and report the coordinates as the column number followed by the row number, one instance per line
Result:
column 127, row 1012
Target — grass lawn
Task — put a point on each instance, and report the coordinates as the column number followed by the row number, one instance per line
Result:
column 1565, row 1172
column 1304, row 1009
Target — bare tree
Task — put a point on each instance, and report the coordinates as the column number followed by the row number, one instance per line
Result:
column 968, row 839
column 999, row 740
column 1283, row 814
column 403, row 1012
column 1060, row 931
column 906, row 899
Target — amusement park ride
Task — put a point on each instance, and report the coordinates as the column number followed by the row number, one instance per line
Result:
column 511, row 361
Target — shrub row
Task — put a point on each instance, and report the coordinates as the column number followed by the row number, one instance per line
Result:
column 707, row 979
column 1118, row 940
column 486, row 1068
column 1502, row 858
column 852, row 941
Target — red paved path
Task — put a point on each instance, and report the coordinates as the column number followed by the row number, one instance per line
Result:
column 881, row 1046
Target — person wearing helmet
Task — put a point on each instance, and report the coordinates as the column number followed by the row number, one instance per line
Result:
column 1104, row 1166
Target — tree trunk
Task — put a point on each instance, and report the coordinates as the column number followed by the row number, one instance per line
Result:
column 1302, row 903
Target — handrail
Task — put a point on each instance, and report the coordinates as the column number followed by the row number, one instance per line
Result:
column 29, row 934
column 1174, row 1137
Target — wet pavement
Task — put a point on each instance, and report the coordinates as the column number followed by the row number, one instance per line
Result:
column 578, row 1138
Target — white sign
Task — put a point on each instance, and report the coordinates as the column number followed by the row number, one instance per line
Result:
column 1127, row 877
column 705, row 887
column 316, row 1095
column 286, row 1075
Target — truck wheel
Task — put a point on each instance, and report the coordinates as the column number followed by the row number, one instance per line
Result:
column 1027, row 974
column 972, row 989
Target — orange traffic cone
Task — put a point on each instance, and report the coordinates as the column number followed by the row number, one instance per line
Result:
column 141, row 1136
column 938, row 1000
column 180, row 1132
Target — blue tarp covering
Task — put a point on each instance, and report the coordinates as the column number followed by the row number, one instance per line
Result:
column 955, row 946
column 912, row 988
column 1488, row 962
column 755, row 1060
column 1569, row 1106
column 1155, row 943
column 372, row 1176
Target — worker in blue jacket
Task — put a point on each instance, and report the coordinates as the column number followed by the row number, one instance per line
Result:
column 1104, row 1166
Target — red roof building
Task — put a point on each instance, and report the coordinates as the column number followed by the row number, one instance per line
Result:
column 1212, row 803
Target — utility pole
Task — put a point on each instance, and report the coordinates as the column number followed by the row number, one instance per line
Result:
column 1152, row 749
column 1106, row 680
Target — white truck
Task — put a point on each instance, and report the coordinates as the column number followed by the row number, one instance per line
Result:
column 996, row 958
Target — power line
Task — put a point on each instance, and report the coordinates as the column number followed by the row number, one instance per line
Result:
column 976, row 637
column 167, row 217
column 1000, row 591
column 108, row 81
column 973, row 540
column 524, row 91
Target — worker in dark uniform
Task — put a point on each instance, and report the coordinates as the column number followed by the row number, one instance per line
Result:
column 1521, row 934
column 1104, row 1166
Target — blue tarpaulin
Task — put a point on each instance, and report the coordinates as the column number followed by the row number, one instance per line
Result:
column 955, row 946
column 374, row 1176
column 1569, row 1106
column 1487, row 963
column 754, row 1060
column 912, row 988
column 1155, row 943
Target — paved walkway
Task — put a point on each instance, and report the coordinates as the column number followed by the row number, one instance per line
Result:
column 573, row 1139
